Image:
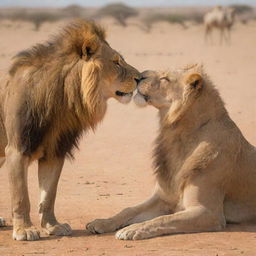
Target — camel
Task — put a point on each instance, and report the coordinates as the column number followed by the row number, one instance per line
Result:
column 219, row 18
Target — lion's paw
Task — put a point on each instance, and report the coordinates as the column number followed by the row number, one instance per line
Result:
column 133, row 232
column 2, row 222
column 23, row 234
column 100, row 226
column 59, row 230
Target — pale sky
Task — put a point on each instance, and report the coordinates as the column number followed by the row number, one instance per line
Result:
column 38, row 3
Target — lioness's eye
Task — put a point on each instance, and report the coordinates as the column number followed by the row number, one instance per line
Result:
column 165, row 79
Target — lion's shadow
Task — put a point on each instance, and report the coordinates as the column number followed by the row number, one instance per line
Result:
column 240, row 228
column 229, row 228
column 44, row 237
column 75, row 233
column 83, row 233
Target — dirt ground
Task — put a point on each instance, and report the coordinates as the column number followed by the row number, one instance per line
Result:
column 113, row 168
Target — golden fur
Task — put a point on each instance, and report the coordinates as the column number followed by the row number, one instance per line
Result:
column 53, row 93
column 205, row 169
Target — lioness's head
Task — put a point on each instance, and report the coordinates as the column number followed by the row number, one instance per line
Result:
column 163, row 89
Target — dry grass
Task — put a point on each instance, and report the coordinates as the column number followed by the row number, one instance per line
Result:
column 36, row 18
column 40, row 16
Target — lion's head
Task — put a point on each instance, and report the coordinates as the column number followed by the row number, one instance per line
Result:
column 117, row 79
column 64, row 85
column 79, row 61
column 104, row 69
column 176, row 92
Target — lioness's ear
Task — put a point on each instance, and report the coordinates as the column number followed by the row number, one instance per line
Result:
column 90, row 47
column 194, row 81
column 193, row 85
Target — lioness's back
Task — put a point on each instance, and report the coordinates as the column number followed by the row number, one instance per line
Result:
column 3, row 91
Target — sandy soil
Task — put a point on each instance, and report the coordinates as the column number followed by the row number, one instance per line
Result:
column 113, row 168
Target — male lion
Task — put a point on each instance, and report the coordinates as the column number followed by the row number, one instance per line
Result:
column 54, row 92
column 205, row 168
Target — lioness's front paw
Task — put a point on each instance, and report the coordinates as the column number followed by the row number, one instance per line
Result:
column 2, row 222
column 59, row 230
column 133, row 232
column 100, row 226
column 22, row 234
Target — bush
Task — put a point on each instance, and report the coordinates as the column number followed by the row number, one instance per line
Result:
column 241, row 8
column 195, row 17
column 170, row 18
column 37, row 18
column 120, row 12
column 73, row 11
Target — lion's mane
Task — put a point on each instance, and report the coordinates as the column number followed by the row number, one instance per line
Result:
column 61, row 97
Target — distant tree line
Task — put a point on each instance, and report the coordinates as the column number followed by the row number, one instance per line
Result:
column 119, row 11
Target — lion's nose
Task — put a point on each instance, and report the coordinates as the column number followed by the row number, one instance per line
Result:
column 137, row 80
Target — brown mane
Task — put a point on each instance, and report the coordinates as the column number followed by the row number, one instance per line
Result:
column 52, row 73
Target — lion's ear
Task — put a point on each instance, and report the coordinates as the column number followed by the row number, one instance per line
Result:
column 89, row 48
column 194, row 81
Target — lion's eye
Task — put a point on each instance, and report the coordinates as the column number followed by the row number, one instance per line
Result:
column 165, row 78
column 116, row 62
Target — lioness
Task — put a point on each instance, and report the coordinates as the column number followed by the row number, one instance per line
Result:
column 51, row 95
column 205, row 168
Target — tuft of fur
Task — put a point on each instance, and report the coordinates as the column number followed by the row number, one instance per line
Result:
column 140, row 101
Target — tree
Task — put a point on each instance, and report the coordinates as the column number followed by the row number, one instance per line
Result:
column 120, row 12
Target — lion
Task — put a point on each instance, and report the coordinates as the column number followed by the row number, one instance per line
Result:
column 205, row 169
column 53, row 93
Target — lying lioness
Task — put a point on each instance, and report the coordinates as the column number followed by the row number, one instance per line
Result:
column 205, row 168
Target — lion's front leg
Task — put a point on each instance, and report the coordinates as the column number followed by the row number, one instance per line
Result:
column 147, row 210
column 17, row 165
column 197, row 219
column 203, row 212
column 48, row 175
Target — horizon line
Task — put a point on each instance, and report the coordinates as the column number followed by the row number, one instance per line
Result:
column 98, row 6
